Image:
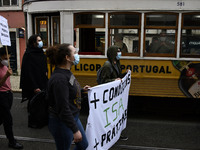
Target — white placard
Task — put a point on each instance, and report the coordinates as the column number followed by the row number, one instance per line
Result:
column 4, row 32
column 107, row 113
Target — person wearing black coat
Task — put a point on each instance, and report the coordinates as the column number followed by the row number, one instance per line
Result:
column 33, row 77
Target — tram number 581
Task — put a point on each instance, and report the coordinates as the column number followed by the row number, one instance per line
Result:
column 180, row 3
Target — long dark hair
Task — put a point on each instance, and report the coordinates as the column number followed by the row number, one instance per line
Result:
column 57, row 54
column 32, row 41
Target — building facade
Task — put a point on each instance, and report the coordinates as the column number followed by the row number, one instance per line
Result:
column 12, row 11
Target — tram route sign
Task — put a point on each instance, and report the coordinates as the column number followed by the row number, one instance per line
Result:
column 4, row 32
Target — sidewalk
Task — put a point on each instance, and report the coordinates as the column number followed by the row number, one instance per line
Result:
column 15, row 80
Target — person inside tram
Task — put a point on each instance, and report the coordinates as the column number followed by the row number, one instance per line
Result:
column 118, row 41
column 153, row 43
column 162, row 45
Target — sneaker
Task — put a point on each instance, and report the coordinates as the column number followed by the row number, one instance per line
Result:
column 15, row 145
column 123, row 138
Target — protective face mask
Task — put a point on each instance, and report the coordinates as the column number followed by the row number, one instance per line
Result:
column 119, row 54
column 162, row 39
column 4, row 62
column 76, row 59
column 40, row 44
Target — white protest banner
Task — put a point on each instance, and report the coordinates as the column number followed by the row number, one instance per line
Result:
column 107, row 113
column 4, row 32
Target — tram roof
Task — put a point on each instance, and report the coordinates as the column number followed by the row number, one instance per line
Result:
column 110, row 5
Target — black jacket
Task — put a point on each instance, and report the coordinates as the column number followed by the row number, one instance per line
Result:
column 64, row 97
column 33, row 72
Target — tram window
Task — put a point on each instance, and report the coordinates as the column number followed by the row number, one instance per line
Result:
column 190, row 35
column 56, row 30
column 191, row 20
column 190, row 44
column 124, row 32
column 160, row 41
column 42, row 29
column 161, row 20
column 90, row 33
column 125, row 39
column 89, row 19
column 124, row 20
column 160, row 34
column 90, row 41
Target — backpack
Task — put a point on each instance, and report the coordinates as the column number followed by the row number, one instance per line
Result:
column 38, row 111
column 99, row 78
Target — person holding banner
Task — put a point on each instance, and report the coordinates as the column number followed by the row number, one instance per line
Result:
column 112, row 71
column 6, row 99
column 64, row 98
column 33, row 77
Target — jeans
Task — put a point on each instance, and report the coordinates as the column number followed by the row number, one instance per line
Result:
column 6, row 100
column 63, row 135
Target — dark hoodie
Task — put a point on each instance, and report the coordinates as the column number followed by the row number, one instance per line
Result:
column 33, row 72
column 107, row 73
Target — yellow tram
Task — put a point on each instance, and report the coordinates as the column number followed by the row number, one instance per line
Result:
column 159, row 39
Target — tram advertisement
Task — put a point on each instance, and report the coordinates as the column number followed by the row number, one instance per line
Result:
column 108, row 113
column 165, row 78
column 139, row 68
column 189, row 81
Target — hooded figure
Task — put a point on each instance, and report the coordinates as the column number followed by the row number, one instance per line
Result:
column 34, row 69
column 109, row 74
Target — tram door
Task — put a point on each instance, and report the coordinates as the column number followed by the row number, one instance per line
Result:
column 12, row 49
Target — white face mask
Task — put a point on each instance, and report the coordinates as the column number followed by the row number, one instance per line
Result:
column 4, row 62
column 40, row 44
column 119, row 54
column 162, row 39
column 76, row 59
